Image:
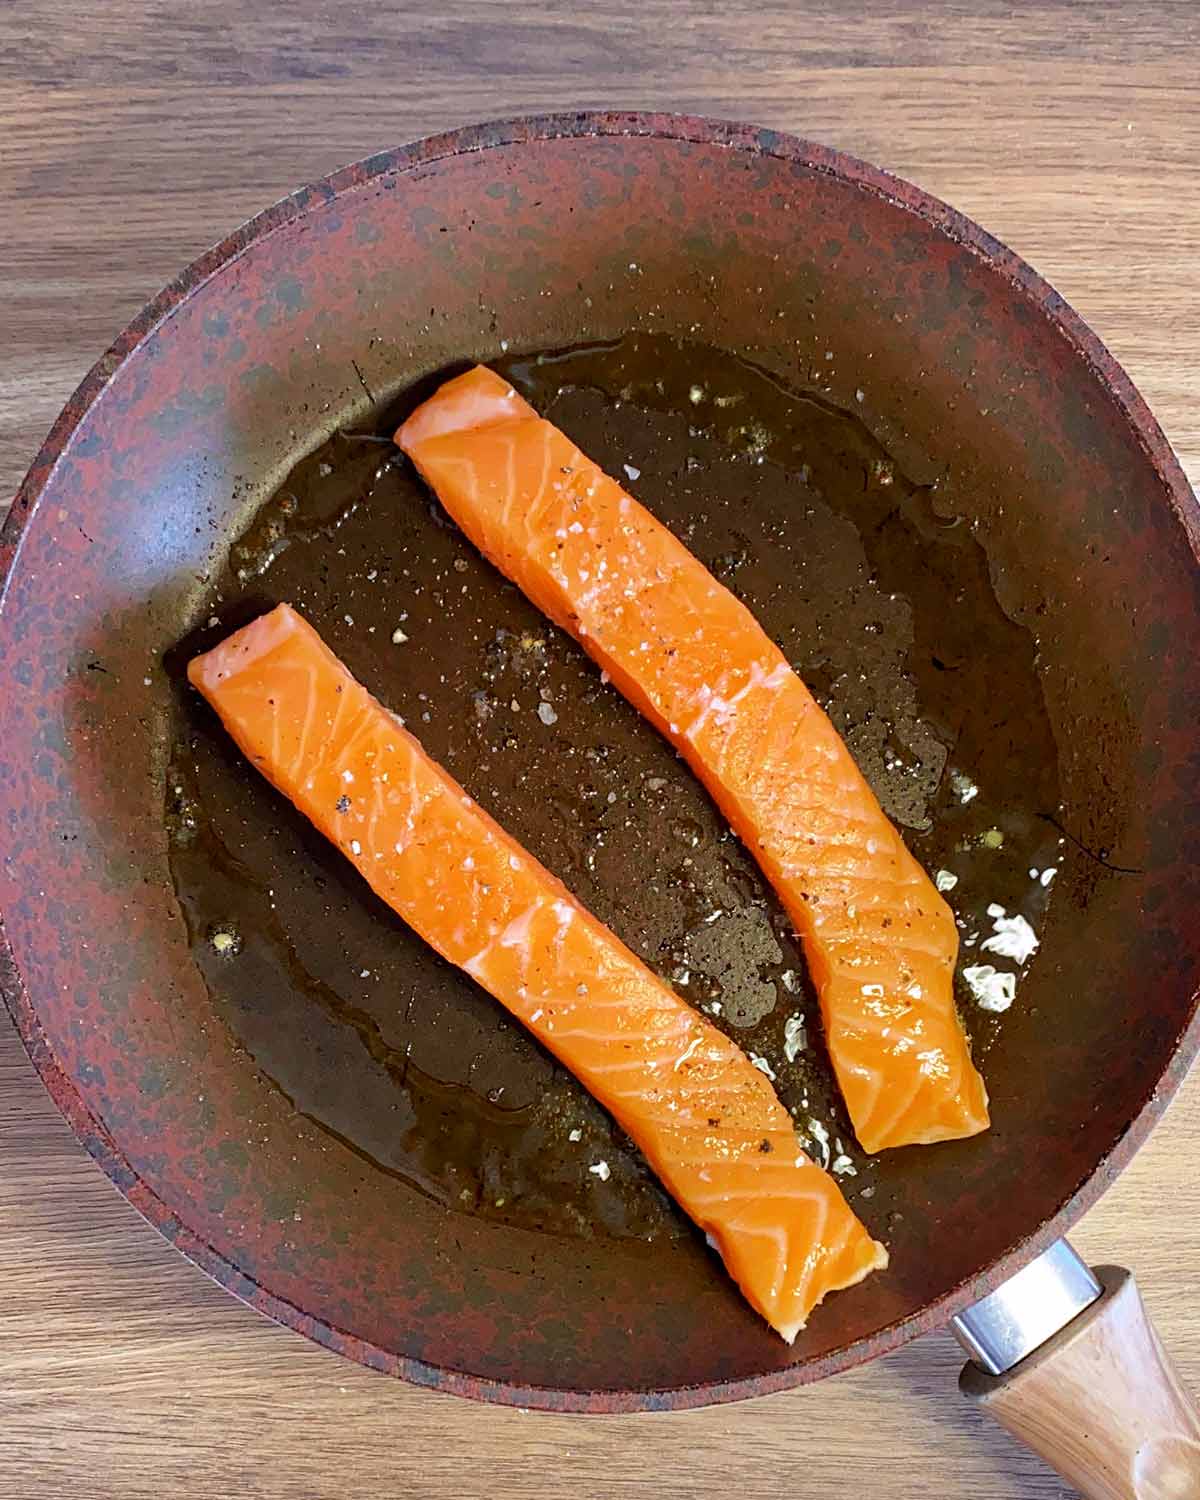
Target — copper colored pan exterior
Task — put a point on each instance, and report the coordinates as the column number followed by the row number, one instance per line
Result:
column 378, row 277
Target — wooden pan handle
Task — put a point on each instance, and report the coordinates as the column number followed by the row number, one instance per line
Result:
column 1102, row 1402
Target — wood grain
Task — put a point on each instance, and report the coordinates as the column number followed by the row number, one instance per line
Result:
column 1103, row 1402
column 132, row 135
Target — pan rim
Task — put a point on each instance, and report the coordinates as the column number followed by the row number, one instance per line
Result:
column 397, row 162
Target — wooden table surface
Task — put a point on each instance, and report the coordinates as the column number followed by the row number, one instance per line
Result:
column 135, row 133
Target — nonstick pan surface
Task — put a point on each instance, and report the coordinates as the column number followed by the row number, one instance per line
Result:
column 922, row 472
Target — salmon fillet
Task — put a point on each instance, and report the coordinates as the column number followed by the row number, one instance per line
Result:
column 704, row 1117
column 881, row 943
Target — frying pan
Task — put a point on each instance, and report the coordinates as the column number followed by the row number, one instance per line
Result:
column 968, row 384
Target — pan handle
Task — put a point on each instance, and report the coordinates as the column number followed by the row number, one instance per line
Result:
column 1070, row 1364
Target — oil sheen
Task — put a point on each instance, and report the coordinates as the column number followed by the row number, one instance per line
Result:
column 880, row 598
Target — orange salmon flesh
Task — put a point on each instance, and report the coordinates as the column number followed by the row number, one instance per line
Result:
column 704, row 1116
column 880, row 942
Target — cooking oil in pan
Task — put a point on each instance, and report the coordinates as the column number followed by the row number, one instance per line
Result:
column 880, row 599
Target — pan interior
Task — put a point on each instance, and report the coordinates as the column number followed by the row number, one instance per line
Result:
column 881, row 599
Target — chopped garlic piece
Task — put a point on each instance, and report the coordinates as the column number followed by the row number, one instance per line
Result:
column 1013, row 938
column 992, row 990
